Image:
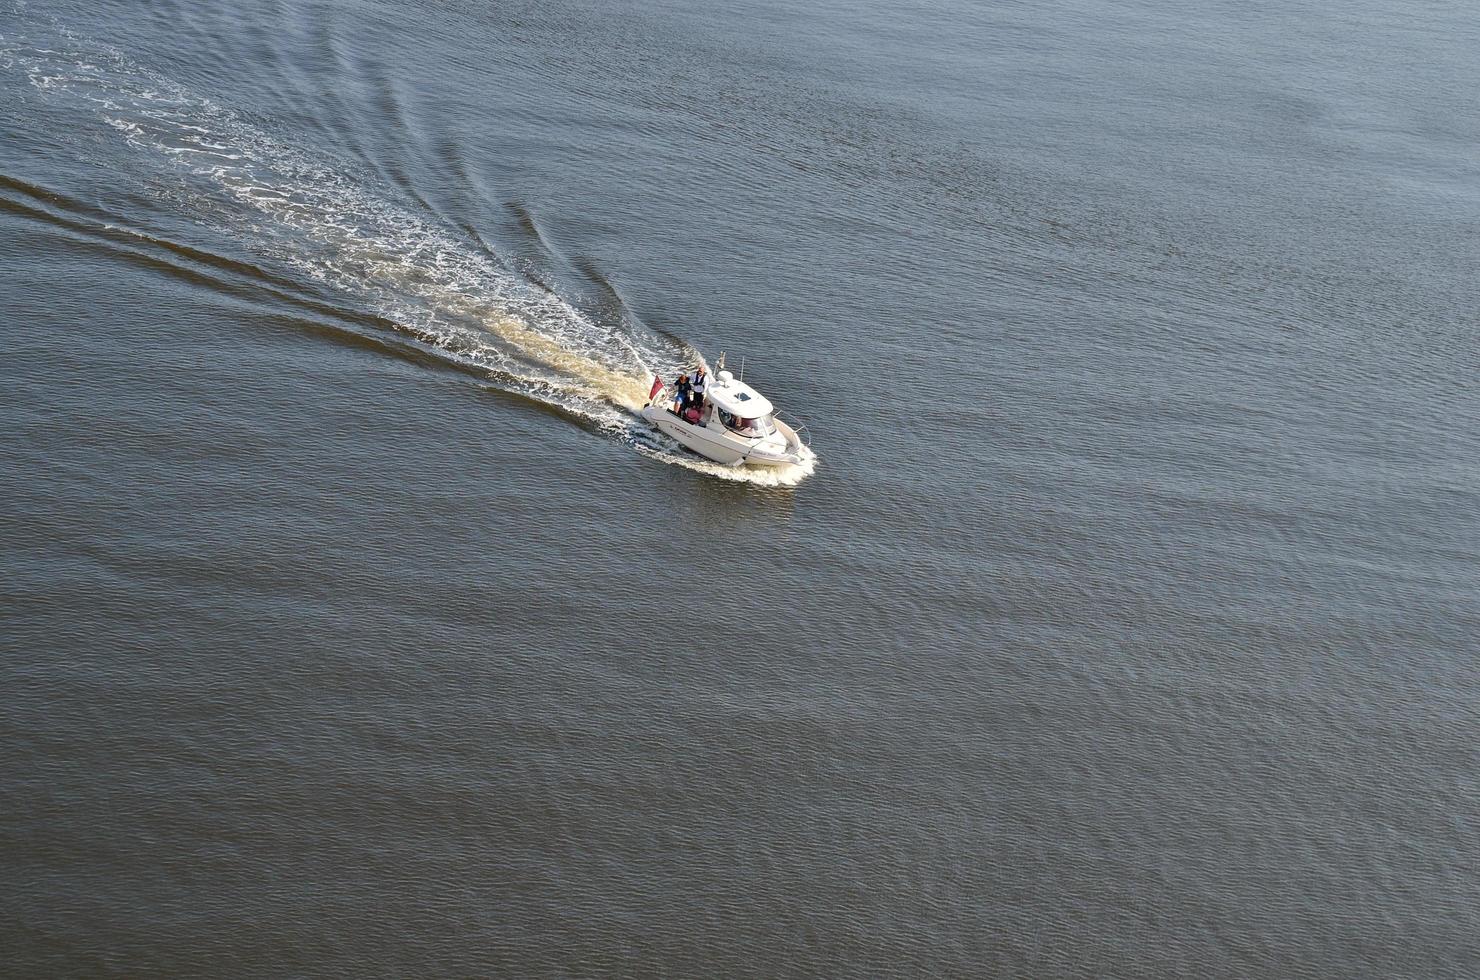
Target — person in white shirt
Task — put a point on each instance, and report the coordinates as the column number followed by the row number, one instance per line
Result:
column 698, row 385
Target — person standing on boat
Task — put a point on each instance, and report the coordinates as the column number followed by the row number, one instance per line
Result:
column 701, row 381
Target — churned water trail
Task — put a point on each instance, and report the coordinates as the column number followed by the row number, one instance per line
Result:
column 321, row 219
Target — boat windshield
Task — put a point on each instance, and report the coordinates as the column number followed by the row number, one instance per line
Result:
column 751, row 428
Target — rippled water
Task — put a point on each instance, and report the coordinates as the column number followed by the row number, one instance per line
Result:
column 1125, row 622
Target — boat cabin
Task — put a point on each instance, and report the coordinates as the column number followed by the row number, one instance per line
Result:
column 739, row 407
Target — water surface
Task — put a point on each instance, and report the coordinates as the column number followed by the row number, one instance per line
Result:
column 353, row 625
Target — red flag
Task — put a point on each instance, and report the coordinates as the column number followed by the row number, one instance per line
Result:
column 657, row 387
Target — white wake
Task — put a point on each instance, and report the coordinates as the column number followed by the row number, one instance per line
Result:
column 459, row 301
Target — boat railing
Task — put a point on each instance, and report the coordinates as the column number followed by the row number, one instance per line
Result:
column 796, row 425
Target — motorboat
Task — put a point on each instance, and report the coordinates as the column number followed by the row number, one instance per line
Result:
column 735, row 425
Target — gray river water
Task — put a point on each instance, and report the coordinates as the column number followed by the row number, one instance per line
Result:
column 352, row 624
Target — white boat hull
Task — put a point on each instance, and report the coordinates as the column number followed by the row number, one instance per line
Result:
column 781, row 448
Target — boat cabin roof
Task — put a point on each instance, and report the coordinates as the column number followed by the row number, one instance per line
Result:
column 737, row 397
